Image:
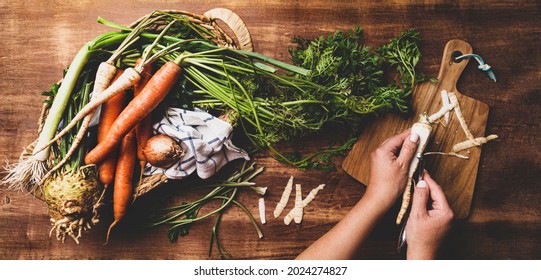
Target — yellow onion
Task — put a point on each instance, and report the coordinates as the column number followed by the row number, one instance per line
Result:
column 162, row 151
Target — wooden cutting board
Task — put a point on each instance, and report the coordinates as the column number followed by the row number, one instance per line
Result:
column 456, row 176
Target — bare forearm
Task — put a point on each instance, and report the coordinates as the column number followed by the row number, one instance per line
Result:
column 343, row 241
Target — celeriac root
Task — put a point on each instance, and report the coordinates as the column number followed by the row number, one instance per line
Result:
column 66, row 227
column 78, row 139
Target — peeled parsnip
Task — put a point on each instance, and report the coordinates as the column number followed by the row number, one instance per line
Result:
column 470, row 144
column 423, row 128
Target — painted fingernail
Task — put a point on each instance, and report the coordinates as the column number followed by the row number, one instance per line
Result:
column 414, row 137
column 421, row 184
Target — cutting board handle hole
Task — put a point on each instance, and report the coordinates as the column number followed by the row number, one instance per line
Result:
column 454, row 56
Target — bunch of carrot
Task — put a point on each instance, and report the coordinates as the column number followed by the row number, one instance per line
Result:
column 124, row 130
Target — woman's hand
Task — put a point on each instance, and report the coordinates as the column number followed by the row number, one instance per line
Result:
column 389, row 165
column 429, row 221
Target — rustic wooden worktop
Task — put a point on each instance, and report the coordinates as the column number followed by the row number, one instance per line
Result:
column 39, row 38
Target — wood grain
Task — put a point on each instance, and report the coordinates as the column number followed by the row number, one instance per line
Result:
column 457, row 175
column 39, row 38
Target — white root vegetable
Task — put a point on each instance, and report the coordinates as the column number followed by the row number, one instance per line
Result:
column 460, row 117
column 284, row 199
column 262, row 210
column 27, row 174
column 312, row 195
column 105, row 73
column 297, row 212
column 127, row 80
column 423, row 128
column 446, row 102
column 448, row 106
column 470, row 144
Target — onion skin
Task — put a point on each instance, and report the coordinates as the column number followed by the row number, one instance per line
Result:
column 162, row 151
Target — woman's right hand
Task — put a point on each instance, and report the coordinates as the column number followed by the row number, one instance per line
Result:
column 429, row 221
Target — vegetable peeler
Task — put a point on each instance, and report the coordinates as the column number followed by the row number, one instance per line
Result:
column 417, row 176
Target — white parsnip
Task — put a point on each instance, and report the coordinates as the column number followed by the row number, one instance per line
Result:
column 460, row 117
column 105, row 73
column 284, row 199
column 129, row 77
column 446, row 103
column 448, row 106
column 470, row 144
column 423, row 128
column 127, row 80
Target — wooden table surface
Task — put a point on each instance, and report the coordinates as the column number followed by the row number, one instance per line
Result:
column 39, row 39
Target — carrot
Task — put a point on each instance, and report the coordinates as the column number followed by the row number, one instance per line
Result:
column 143, row 131
column 127, row 80
column 141, row 106
column 123, row 188
column 130, row 77
column 109, row 112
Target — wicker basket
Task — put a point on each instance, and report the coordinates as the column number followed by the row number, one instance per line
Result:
column 207, row 20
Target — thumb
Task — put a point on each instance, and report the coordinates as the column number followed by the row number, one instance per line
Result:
column 420, row 198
